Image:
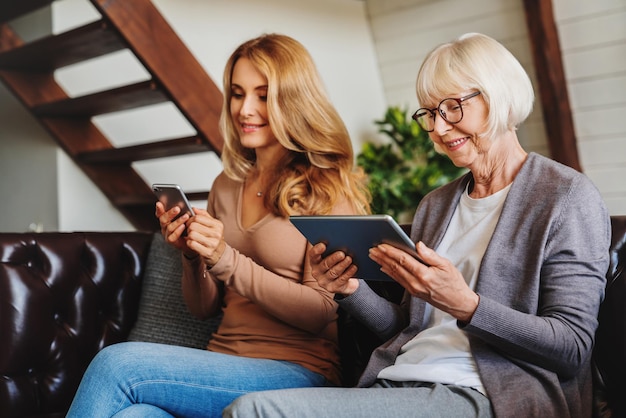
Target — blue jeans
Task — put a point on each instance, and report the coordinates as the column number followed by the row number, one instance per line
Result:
column 135, row 379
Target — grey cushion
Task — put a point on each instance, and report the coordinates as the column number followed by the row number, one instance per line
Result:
column 163, row 316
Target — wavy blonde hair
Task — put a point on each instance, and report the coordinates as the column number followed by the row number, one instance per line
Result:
column 318, row 169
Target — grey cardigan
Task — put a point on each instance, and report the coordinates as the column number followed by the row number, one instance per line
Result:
column 541, row 282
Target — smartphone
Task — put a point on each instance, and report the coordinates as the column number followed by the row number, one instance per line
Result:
column 172, row 195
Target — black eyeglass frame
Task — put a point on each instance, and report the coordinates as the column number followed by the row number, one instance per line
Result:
column 415, row 116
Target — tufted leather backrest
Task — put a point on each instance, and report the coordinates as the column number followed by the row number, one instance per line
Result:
column 63, row 297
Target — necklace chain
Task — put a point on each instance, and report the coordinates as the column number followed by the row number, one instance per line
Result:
column 256, row 179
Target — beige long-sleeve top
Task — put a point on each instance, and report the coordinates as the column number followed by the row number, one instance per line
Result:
column 273, row 308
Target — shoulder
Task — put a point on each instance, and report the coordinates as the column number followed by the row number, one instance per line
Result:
column 223, row 194
column 223, row 181
column 542, row 175
column 539, row 165
column 548, row 192
column 224, row 185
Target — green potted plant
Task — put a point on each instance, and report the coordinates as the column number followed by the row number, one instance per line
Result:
column 401, row 172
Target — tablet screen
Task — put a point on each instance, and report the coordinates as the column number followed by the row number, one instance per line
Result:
column 355, row 235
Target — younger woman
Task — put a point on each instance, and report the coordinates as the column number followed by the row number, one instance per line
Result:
column 287, row 152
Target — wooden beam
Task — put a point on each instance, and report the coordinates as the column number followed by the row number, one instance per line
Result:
column 153, row 41
column 544, row 39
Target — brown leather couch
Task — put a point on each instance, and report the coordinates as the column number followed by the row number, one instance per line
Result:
column 64, row 296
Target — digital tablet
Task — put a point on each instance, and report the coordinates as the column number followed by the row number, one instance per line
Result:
column 355, row 235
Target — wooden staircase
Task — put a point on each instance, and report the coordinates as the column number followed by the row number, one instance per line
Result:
column 27, row 69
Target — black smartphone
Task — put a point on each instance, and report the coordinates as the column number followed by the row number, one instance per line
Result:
column 172, row 195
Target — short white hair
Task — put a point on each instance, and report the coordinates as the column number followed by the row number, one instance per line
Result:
column 477, row 62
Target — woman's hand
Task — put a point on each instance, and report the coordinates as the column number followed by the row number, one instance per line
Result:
column 335, row 272
column 440, row 283
column 205, row 236
column 172, row 229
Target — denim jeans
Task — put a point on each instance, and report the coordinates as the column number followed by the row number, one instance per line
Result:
column 136, row 379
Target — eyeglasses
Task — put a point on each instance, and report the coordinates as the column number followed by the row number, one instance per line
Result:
column 450, row 110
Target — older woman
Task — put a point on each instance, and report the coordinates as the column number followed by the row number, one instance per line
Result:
column 501, row 321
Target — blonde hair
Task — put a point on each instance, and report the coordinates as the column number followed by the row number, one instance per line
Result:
column 318, row 170
column 477, row 62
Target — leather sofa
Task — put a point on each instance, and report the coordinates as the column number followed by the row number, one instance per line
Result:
column 64, row 296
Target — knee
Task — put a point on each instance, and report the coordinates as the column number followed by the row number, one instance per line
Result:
column 141, row 410
column 235, row 409
column 109, row 355
column 111, row 359
column 269, row 403
column 243, row 406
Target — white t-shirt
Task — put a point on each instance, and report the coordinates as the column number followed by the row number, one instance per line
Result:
column 441, row 352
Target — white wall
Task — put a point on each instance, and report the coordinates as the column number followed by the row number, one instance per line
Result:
column 28, row 179
column 593, row 42
column 336, row 33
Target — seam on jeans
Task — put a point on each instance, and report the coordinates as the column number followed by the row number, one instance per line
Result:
column 170, row 382
column 128, row 391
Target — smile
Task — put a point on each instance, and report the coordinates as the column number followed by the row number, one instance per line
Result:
column 457, row 143
column 246, row 127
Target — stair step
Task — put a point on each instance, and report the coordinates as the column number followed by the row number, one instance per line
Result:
column 56, row 51
column 161, row 149
column 128, row 97
column 10, row 10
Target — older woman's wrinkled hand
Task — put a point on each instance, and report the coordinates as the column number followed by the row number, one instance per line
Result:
column 334, row 272
column 437, row 282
